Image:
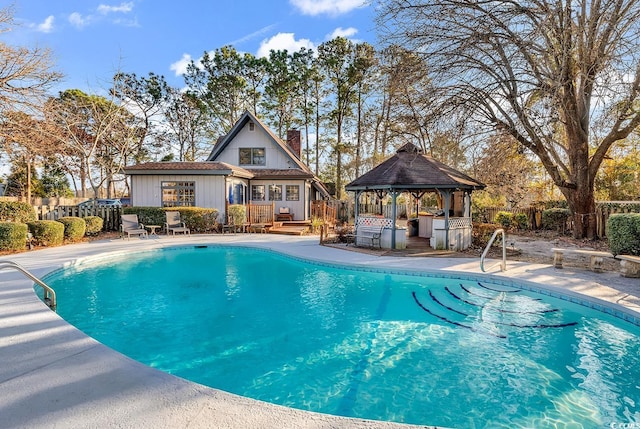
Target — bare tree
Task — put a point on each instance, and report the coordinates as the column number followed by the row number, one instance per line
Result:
column 540, row 71
column 26, row 74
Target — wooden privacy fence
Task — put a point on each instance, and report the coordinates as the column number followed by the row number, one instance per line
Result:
column 110, row 215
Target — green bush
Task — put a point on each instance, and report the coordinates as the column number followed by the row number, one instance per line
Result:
column 94, row 224
column 15, row 211
column 13, row 236
column 521, row 220
column 195, row 218
column 481, row 233
column 238, row 212
column 623, row 233
column 555, row 219
column 504, row 219
column 74, row 227
column 47, row 232
column 147, row 215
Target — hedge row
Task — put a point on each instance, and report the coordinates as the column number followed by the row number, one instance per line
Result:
column 623, row 233
column 195, row 218
column 15, row 211
column 13, row 235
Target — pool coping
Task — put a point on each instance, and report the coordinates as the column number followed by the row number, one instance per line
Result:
column 54, row 375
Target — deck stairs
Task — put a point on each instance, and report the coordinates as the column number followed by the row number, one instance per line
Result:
column 290, row 228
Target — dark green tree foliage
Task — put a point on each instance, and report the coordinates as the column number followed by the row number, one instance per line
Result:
column 54, row 180
column 281, row 92
column 219, row 81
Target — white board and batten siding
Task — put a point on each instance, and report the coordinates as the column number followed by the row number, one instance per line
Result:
column 275, row 157
column 209, row 190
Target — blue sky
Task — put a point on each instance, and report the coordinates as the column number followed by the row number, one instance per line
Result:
column 91, row 40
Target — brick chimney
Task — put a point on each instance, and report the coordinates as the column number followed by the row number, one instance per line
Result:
column 293, row 141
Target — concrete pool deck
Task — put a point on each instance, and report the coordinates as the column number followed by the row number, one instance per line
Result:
column 52, row 375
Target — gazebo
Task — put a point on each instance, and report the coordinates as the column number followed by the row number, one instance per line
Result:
column 409, row 170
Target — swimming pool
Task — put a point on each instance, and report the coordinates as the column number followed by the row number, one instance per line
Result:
column 444, row 351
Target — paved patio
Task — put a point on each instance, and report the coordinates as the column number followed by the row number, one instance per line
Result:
column 52, row 375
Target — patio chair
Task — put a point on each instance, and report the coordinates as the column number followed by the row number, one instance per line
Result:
column 131, row 226
column 229, row 226
column 174, row 224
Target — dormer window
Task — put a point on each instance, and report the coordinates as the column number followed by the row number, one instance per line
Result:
column 252, row 126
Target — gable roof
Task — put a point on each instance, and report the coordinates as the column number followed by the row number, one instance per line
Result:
column 189, row 168
column 410, row 169
column 247, row 117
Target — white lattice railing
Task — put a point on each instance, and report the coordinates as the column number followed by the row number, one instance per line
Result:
column 460, row 223
column 374, row 221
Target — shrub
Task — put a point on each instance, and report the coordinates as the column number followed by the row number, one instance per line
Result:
column 504, row 219
column 94, row 224
column 238, row 212
column 13, row 235
column 623, row 233
column 555, row 219
column 195, row 218
column 147, row 215
column 47, row 232
column 15, row 211
column 481, row 233
column 74, row 227
column 521, row 220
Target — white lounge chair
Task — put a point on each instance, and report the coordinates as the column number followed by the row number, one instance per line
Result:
column 131, row 226
column 174, row 224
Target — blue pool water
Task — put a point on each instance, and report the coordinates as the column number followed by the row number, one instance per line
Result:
column 417, row 349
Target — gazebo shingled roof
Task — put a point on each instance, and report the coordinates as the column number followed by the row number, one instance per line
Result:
column 408, row 170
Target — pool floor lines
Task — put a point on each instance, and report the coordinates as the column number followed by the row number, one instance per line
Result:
column 490, row 321
column 453, row 322
column 502, row 299
column 502, row 310
column 499, row 290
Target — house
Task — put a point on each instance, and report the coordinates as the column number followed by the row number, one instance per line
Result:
column 248, row 165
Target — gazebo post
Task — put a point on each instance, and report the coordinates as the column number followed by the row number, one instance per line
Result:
column 446, row 196
column 394, row 212
column 357, row 207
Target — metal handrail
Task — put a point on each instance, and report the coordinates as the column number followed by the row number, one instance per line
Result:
column 49, row 294
column 503, row 263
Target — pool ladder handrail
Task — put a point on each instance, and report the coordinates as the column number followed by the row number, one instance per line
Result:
column 503, row 263
column 49, row 293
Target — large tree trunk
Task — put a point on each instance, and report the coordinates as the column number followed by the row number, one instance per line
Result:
column 583, row 207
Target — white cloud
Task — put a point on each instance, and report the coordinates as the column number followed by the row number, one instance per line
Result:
column 122, row 8
column 180, row 66
column 342, row 32
column 282, row 41
column 328, row 7
column 77, row 20
column 47, row 25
